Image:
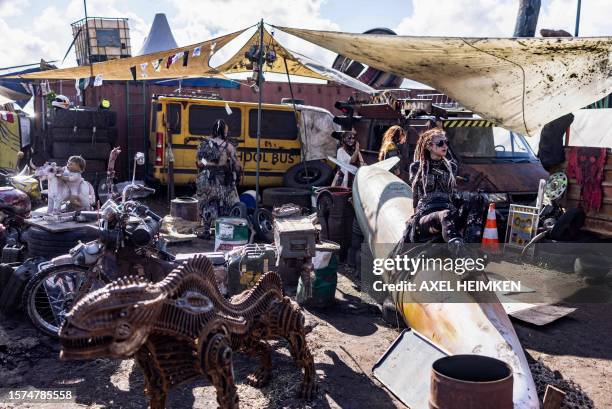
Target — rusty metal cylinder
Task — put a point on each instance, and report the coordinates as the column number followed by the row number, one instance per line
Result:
column 470, row 382
column 185, row 207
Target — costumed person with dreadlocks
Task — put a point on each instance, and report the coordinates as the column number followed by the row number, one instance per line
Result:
column 432, row 177
column 393, row 137
column 348, row 153
column 219, row 171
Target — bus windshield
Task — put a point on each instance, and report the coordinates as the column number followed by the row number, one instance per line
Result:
column 488, row 142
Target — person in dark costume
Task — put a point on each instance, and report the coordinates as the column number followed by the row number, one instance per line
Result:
column 432, row 178
column 217, row 178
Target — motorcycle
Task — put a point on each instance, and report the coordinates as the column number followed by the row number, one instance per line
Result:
column 128, row 245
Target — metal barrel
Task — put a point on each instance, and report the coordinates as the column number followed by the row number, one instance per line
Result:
column 185, row 207
column 470, row 382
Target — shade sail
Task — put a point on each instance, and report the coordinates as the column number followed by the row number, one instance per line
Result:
column 239, row 63
column 518, row 83
column 145, row 65
column 297, row 64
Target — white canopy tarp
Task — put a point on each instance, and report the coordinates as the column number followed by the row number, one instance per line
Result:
column 592, row 127
column 518, row 83
column 316, row 126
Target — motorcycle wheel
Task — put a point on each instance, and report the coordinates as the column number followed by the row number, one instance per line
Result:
column 50, row 294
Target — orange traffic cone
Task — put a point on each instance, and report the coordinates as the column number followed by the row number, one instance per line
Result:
column 490, row 240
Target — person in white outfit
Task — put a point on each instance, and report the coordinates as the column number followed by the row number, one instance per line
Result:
column 348, row 153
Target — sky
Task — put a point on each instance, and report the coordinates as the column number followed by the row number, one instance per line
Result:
column 34, row 29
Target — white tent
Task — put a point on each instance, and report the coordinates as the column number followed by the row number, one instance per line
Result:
column 160, row 36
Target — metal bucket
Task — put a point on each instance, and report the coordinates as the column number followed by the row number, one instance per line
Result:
column 230, row 232
column 185, row 207
column 470, row 382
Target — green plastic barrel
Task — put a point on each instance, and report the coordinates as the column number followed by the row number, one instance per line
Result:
column 323, row 286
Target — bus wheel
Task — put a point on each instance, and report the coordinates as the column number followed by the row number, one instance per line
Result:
column 308, row 174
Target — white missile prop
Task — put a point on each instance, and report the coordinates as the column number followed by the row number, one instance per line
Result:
column 383, row 205
column 344, row 166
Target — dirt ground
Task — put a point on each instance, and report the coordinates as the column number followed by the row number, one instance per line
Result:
column 348, row 338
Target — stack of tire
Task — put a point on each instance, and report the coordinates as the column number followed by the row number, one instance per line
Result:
column 89, row 133
column 42, row 243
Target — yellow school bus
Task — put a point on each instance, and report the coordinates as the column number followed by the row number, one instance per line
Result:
column 185, row 120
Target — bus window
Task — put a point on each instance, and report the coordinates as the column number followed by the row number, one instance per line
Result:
column 174, row 118
column 274, row 124
column 203, row 117
column 155, row 108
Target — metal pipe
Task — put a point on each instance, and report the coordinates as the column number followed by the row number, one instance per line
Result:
column 259, row 90
column 302, row 151
column 470, row 381
column 577, row 18
column 88, row 47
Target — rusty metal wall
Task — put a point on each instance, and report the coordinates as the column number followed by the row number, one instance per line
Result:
column 131, row 138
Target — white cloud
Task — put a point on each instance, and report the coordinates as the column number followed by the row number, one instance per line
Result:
column 561, row 14
column 199, row 20
column 31, row 33
column 453, row 18
column 496, row 18
column 11, row 8
column 49, row 33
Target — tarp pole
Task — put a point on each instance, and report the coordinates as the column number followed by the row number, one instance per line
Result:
column 577, row 19
column 88, row 49
column 259, row 91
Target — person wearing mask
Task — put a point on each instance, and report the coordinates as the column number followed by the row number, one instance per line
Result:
column 219, row 170
column 348, row 153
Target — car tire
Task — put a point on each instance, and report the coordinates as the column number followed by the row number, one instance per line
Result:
column 278, row 196
column 69, row 118
column 308, row 174
column 42, row 243
column 86, row 150
column 84, row 135
column 263, row 224
column 239, row 210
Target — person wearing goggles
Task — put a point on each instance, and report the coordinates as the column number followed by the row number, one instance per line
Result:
column 432, row 178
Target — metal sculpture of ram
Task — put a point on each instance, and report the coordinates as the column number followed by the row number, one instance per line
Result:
column 182, row 327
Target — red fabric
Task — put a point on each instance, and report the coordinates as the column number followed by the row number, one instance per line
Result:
column 7, row 116
column 586, row 165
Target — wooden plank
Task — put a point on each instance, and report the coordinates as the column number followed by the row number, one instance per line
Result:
column 573, row 192
column 534, row 314
column 553, row 397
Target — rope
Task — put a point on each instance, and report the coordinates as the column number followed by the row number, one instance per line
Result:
column 522, row 71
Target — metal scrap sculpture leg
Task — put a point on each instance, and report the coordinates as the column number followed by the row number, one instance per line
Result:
column 217, row 364
column 261, row 376
column 286, row 320
column 155, row 386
